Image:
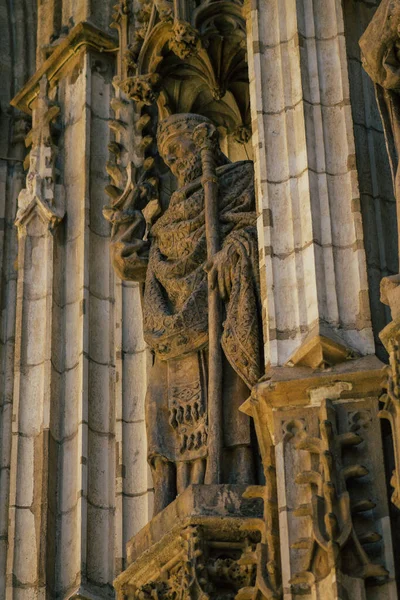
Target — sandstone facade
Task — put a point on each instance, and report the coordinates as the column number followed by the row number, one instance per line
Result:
column 85, row 86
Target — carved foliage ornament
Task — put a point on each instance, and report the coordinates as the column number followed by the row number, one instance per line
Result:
column 142, row 88
column 185, row 40
column 197, row 574
column 41, row 194
column 330, row 510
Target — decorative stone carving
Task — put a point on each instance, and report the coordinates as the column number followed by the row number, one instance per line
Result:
column 132, row 162
column 391, row 398
column 172, row 259
column 380, row 47
column 330, row 509
column 41, row 193
column 185, row 40
column 142, row 88
column 196, row 549
column 265, row 555
column 380, row 53
column 330, row 533
column 189, row 60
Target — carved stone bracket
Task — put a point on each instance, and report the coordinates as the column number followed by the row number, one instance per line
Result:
column 197, row 548
column 42, row 195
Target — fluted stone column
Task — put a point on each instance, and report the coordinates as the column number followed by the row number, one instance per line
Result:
column 316, row 412
column 80, row 485
column 310, row 233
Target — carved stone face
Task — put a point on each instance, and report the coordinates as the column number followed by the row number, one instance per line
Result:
column 182, row 157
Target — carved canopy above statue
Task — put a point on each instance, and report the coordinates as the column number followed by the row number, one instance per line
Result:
column 196, row 65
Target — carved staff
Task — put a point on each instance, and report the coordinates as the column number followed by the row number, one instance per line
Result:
column 205, row 137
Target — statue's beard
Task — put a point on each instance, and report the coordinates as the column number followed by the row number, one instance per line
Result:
column 190, row 170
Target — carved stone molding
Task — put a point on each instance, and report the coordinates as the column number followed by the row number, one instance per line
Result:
column 83, row 35
column 321, row 448
column 42, row 195
column 198, row 547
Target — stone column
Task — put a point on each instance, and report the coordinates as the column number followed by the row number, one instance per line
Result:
column 310, row 233
column 32, row 508
column 316, row 412
column 80, row 488
column 17, row 46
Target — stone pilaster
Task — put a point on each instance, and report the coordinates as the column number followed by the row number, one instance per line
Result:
column 321, row 431
column 314, row 283
column 86, row 402
column 32, row 500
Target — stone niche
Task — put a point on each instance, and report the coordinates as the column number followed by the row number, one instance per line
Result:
column 197, row 547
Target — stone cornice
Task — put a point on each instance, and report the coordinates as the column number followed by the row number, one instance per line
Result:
column 84, row 35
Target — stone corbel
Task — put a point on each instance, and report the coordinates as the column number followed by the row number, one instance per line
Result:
column 201, row 547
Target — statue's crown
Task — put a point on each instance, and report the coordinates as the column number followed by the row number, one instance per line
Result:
column 174, row 125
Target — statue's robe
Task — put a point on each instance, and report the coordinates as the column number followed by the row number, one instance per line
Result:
column 175, row 315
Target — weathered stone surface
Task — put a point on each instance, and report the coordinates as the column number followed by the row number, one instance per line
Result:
column 185, row 396
column 75, row 485
column 223, row 523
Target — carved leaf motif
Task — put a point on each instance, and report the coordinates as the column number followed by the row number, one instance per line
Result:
column 330, row 511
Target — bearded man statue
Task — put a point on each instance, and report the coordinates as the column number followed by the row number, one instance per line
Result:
column 172, row 264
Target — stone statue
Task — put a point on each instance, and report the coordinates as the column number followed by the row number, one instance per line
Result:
column 171, row 260
column 380, row 47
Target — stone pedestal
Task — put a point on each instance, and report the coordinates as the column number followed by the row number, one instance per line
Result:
column 320, row 438
column 200, row 546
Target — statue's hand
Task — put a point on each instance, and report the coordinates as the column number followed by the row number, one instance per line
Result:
column 221, row 270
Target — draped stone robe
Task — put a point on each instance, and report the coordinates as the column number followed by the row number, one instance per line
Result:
column 175, row 312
